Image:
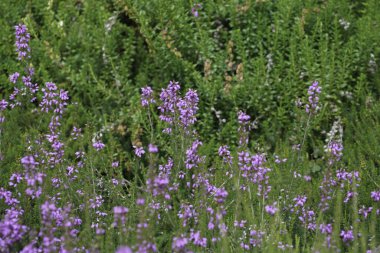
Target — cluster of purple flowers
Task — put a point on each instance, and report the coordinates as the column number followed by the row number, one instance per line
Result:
column 195, row 9
column 254, row 171
column 225, row 153
column 176, row 110
column 22, row 42
column 147, row 96
column 244, row 127
column 11, row 228
column 192, row 157
column 313, row 92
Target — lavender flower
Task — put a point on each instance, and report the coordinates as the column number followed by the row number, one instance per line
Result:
column 225, row 153
column 179, row 243
column 22, row 42
column 188, row 107
column 123, row 249
column 195, row 8
column 147, row 96
column 271, row 209
column 314, row 91
column 11, row 230
column 3, row 104
column 244, row 127
column 28, row 162
column 220, row 195
column 139, row 151
column 325, row 228
column 152, row 148
column 365, row 211
column 300, row 201
column 98, row 145
column 13, row 78
column 119, row 213
column 192, row 158
column 347, row 235
column 177, row 110
column 375, row 195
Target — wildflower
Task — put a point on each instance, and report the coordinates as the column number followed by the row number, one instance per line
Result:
column 123, row 249
column 325, row 228
column 119, row 215
column 147, row 96
column 244, row 127
column 98, row 145
column 195, row 8
column 347, row 236
column 11, row 230
column 271, row 209
column 179, row 243
column 192, row 158
column 28, row 162
column 139, row 151
column 314, row 91
column 375, row 195
column 300, row 201
column 13, row 78
column 3, row 105
column 365, row 211
column 22, row 42
column 225, row 153
column 152, row 148
column 220, row 195
column 188, row 107
column 345, row 24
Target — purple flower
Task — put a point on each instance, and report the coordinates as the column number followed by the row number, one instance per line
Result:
column 188, row 107
column 365, row 211
column 300, row 201
column 123, row 249
column 220, row 195
column 139, row 151
column 119, row 213
column 375, row 195
column 11, row 230
column 243, row 118
column 13, row 78
column 325, row 228
column 314, row 91
column 3, row 105
column 177, row 110
column 225, row 153
column 347, row 236
column 22, row 41
column 271, row 209
column 98, row 145
column 140, row 201
column 244, row 127
column 195, row 8
column 179, row 243
column 76, row 133
column 152, row 148
column 147, row 96
column 28, row 162
column 198, row 240
column 192, row 158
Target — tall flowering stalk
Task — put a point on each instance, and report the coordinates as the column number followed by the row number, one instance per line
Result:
column 177, row 111
column 23, row 52
column 311, row 108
